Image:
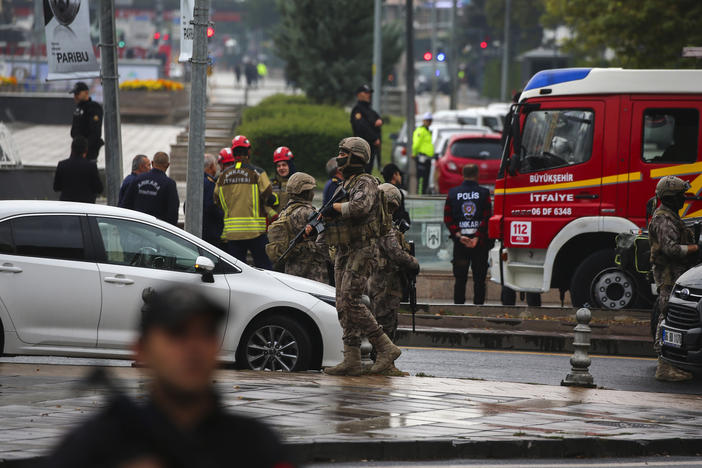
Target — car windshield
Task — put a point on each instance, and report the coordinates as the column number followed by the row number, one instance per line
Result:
column 555, row 138
column 477, row 148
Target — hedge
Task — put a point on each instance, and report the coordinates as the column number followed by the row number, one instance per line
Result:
column 312, row 132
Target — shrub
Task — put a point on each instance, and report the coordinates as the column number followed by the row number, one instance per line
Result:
column 312, row 132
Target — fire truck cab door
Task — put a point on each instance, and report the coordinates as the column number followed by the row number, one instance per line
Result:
column 560, row 171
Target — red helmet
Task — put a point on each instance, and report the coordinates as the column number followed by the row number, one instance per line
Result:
column 241, row 141
column 225, row 156
column 282, row 153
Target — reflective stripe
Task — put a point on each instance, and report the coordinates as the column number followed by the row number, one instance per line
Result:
column 254, row 197
column 277, row 199
column 238, row 165
column 222, row 200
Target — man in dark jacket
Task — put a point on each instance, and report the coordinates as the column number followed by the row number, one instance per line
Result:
column 466, row 214
column 212, row 215
column 154, row 192
column 77, row 178
column 366, row 123
column 182, row 421
column 393, row 175
column 140, row 164
column 87, row 119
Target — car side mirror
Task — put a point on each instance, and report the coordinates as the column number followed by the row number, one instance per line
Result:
column 205, row 267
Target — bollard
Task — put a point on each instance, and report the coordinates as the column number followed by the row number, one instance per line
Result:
column 580, row 361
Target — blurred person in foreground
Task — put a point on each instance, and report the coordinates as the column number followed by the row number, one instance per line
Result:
column 182, row 422
column 140, row 164
column 77, row 178
column 393, row 175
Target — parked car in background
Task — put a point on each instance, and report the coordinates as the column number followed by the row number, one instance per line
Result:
column 482, row 149
column 681, row 338
column 72, row 277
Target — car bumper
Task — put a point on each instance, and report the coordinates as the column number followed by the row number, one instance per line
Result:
column 689, row 355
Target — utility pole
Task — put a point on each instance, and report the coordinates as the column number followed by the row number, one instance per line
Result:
column 409, row 113
column 377, row 55
column 434, row 78
column 453, row 58
column 198, row 102
column 110, row 93
column 505, row 53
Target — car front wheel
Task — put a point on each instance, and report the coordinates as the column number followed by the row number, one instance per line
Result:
column 275, row 343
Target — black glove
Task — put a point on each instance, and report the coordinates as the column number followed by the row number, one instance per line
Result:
column 414, row 271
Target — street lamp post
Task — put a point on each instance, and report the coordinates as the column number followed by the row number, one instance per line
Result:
column 505, row 53
column 377, row 55
column 198, row 102
column 110, row 92
column 409, row 112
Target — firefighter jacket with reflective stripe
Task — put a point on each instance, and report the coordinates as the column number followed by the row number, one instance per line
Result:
column 243, row 192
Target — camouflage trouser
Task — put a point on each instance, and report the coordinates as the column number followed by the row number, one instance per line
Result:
column 661, row 308
column 385, row 292
column 352, row 268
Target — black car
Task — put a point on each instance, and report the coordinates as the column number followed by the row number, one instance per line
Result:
column 682, row 328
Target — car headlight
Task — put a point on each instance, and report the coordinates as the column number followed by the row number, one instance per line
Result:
column 452, row 166
column 328, row 299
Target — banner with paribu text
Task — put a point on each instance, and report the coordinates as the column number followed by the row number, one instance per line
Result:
column 68, row 45
column 186, row 30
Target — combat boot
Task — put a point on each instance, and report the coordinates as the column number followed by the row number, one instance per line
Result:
column 387, row 353
column 351, row 365
column 666, row 372
column 393, row 371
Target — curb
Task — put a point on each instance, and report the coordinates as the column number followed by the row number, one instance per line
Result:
column 447, row 449
column 522, row 341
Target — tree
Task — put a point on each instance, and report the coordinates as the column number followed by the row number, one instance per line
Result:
column 525, row 22
column 327, row 46
column 642, row 33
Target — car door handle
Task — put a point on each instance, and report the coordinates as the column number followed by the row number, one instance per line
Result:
column 10, row 268
column 118, row 280
column 587, row 196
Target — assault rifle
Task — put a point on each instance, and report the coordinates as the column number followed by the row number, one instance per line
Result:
column 315, row 221
column 412, row 286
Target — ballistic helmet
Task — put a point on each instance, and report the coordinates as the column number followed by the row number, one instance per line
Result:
column 300, row 182
column 356, row 146
column 392, row 195
column 670, row 186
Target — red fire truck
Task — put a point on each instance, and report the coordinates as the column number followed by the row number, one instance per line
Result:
column 586, row 148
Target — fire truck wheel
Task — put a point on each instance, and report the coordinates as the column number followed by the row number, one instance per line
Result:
column 598, row 282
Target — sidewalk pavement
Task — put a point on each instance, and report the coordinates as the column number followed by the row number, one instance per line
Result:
column 344, row 418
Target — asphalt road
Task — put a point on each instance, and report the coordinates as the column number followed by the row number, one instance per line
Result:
column 653, row 462
column 618, row 373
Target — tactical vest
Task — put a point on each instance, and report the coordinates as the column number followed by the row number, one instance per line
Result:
column 686, row 237
column 344, row 232
column 281, row 232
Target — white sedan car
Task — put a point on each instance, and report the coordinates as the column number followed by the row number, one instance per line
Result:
column 72, row 277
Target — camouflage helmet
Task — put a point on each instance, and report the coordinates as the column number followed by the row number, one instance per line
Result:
column 392, row 194
column 299, row 182
column 670, row 186
column 357, row 146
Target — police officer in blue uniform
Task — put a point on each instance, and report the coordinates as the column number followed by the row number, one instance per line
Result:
column 366, row 123
column 466, row 214
column 87, row 119
column 154, row 192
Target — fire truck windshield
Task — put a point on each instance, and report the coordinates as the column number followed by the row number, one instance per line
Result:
column 555, row 138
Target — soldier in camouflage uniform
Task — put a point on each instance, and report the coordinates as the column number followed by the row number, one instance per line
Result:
column 673, row 251
column 357, row 222
column 309, row 257
column 385, row 285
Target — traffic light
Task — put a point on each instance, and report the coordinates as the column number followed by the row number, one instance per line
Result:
column 121, row 44
column 440, row 56
column 428, row 56
column 210, row 32
column 157, row 36
column 483, row 45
